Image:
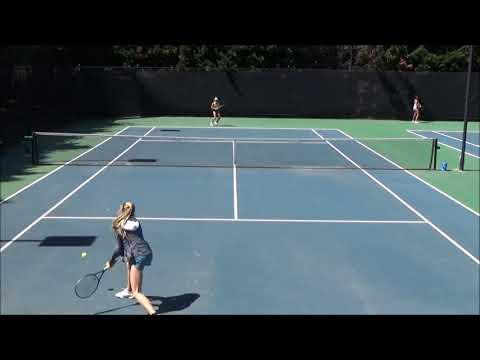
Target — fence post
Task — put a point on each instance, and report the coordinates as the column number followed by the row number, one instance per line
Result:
column 465, row 114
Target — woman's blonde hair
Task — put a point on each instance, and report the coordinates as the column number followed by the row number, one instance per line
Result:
column 125, row 212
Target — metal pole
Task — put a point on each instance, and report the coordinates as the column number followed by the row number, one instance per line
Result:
column 351, row 58
column 465, row 114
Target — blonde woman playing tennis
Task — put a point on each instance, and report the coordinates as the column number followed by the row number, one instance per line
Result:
column 135, row 251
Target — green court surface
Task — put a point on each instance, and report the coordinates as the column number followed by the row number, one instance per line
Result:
column 17, row 170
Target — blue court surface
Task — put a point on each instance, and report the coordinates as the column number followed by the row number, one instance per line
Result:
column 231, row 239
column 453, row 140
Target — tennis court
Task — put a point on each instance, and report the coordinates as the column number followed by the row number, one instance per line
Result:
column 242, row 221
column 453, row 140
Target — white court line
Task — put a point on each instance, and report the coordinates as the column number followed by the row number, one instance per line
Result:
column 67, row 196
column 454, row 131
column 228, row 140
column 454, row 138
column 447, row 131
column 228, row 127
column 235, row 206
column 347, row 221
column 247, row 140
column 58, row 168
column 456, row 244
column 177, row 140
column 313, row 140
column 415, row 176
column 162, row 137
column 444, row 144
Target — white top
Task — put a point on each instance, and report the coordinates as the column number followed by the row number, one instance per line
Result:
column 416, row 104
column 131, row 225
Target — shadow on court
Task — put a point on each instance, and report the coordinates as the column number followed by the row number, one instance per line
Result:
column 60, row 241
column 16, row 159
column 163, row 304
column 68, row 241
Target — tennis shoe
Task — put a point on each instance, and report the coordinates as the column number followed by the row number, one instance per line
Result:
column 124, row 294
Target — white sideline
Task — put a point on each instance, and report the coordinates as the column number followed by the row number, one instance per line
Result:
column 67, row 196
column 440, row 142
column 454, row 138
column 452, row 241
column 348, row 221
column 226, row 128
column 58, row 168
column 235, row 206
column 444, row 144
column 415, row 176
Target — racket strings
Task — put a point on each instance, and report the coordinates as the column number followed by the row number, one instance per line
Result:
column 86, row 286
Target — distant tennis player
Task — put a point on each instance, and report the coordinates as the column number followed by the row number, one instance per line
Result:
column 215, row 107
column 136, row 253
column 417, row 110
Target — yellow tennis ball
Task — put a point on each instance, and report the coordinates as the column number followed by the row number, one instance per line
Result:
column 84, row 254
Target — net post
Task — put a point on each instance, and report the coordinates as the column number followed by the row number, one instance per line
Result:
column 434, row 154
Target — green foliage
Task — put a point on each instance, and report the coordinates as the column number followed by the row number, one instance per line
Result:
column 371, row 57
column 250, row 57
column 455, row 60
column 423, row 60
column 452, row 60
column 393, row 54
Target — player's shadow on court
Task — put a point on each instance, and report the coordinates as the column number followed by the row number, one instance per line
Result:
column 163, row 304
column 61, row 241
column 173, row 303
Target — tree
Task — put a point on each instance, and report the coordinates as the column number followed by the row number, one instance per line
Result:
column 237, row 57
column 393, row 56
column 371, row 57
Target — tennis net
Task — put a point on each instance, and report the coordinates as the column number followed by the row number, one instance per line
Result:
column 335, row 153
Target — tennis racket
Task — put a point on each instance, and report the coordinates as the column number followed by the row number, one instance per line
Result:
column 86, row 286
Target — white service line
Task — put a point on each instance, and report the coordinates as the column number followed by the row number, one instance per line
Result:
column 226, row 128
column 67, row 196
column 456, row 244
column 198, row 139
column 454, row 138
column 415, row 176
column 235, row 206
column 58, row 168
column 444, row 131
column 416, row 132
column 102, row 135
column 345, row 221
column 309, row 140
column 454, row 131
column 444, row 144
